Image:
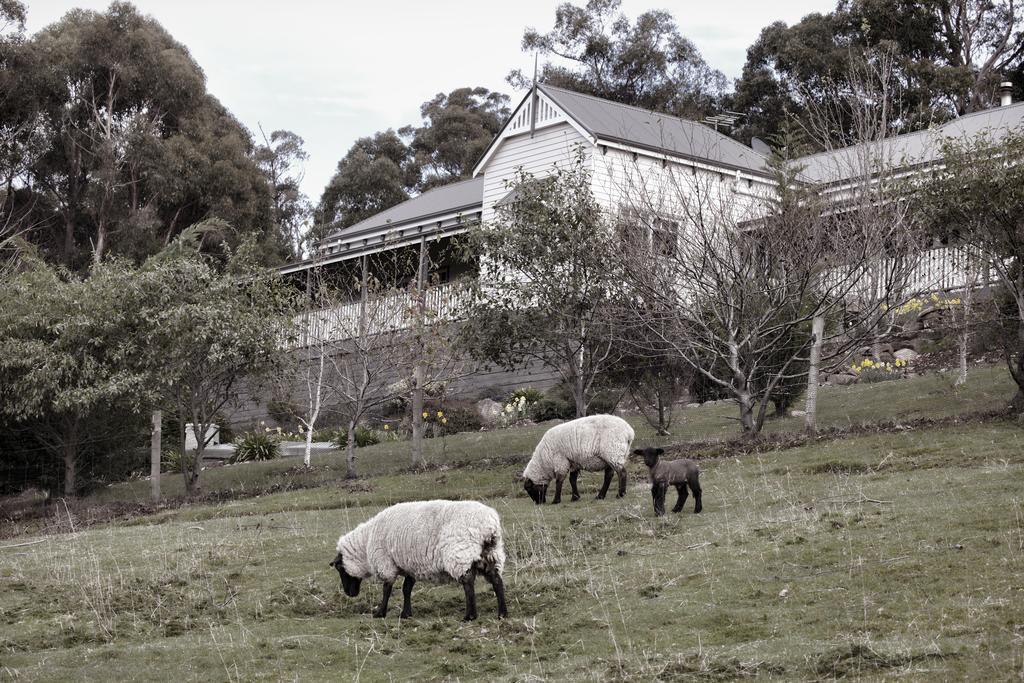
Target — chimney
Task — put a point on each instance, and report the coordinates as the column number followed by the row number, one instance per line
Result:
column 1005, row 93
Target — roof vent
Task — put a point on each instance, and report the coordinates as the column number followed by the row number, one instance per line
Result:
column 1005, row 93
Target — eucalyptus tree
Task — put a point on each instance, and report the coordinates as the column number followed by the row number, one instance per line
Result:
column 280, row 157
column 120, row 146
column 646, row 63
column 950, row 56
column 457, row 128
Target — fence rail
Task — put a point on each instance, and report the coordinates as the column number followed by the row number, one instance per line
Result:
column 387, row 313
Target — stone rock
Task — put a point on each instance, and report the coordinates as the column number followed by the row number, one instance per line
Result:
column 489, row 412
column 907, row 355
column 797, row 413
column 693, row 405
column 842, row 380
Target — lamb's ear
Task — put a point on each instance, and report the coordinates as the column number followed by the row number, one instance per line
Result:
column 637, row 451
column 336, row 562
column 659, row 451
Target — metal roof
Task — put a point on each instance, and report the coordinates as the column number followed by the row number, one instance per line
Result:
column 651, row 130
column 463, row 196
column 911, row 148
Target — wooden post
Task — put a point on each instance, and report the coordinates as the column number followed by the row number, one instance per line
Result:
column 811, row 410
column 419, row 372
column 154, row 456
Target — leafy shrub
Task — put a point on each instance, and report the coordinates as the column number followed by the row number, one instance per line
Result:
column 364, row 437
column 170, row 461
column 255, row 446
column 531, row 395
column 551, row 408
column 454, row 418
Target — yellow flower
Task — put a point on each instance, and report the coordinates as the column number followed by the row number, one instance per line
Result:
column 440, row 413
column 444, row 420
column 425, row 415
column 387, row 427
column 885, row 307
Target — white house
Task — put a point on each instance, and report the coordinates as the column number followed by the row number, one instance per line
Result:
column 637, row 160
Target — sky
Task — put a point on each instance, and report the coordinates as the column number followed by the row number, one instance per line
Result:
column 335, row 71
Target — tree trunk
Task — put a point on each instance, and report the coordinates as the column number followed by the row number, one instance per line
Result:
column 781, row 407
column 811, row 405
column 70, row 463
column 419, row 371
column 662, row 422
column 154, row 456
column 418, row 460
column 748, row 421
column 307, row 459
column 350, row 451
column 579, row 387
column 314, row 413
column 961, row 377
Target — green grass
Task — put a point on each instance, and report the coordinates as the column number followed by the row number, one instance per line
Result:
column 932, row 395
column 886, row 555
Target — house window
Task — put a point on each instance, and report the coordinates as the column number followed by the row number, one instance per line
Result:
column 649, row 231
column 664, row 236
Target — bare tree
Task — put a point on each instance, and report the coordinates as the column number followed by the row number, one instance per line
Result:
column 378, row 335
column 736, row 279
column 862, row 187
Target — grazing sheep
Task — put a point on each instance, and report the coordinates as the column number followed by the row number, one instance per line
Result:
column 436, row 540
column 595, row 443
column 678, row 473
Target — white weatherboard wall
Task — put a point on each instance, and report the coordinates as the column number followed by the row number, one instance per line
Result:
column 670, row 188
column 538, row 155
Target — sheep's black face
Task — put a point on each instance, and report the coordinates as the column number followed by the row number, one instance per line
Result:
column 534, row 491
column 349, row 583
column 650, row 455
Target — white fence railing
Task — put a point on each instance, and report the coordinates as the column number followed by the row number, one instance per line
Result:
column 942, row 269
column 398, row 311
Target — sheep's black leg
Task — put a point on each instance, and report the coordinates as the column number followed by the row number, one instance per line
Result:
column 407, row 597
column 695, row 487
column 383, row 609
column 658, row 494
column 681, row 500
column 544, row 494
column 573, row 476
column 607, row 482
column 468, row 582
column 494, row 578
column 558, row 491
column 622, row 482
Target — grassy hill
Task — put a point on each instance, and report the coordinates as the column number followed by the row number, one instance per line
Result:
column 895, row 553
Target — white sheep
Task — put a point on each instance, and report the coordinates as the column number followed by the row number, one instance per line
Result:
column 595, row 443
column 436, row 540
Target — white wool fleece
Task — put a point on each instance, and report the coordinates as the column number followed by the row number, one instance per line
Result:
column 587, row 443
column 437, row 540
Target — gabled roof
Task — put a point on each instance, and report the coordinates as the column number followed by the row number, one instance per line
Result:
column 464, row 196
column 912, row 149
column 625, row 124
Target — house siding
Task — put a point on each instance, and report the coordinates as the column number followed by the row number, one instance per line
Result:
column 550, row 146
